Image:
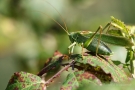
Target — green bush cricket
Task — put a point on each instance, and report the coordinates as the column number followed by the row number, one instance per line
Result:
column 90, row 43
column 93, row 42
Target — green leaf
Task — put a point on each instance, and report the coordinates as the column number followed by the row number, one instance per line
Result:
column 132, row 29
column 119, row 24
column 117, row 62
column 112, row 86
column 25, row 81
column 87, row 77
column 130, row 55
column 76, row 78
column 70, row 83
column 115, row 32
column 106, row 67
column 53, row 64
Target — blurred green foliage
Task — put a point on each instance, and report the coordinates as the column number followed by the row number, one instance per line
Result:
column 28, row 36
column 112, row 86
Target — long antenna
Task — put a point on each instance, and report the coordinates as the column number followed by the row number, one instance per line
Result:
column 65, row 29
column 59, row 14
column 55, row 22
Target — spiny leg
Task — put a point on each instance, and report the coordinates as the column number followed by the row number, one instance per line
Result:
column 71, row 51
column 109, row 25
column 71, row 47
column 82, row 50
column 100, row 28
column 87, row 43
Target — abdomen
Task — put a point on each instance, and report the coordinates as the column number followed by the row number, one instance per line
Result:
column 103, row 49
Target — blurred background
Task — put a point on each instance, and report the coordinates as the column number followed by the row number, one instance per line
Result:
column 28, row 36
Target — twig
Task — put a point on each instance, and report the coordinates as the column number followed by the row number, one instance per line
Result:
column 47, row 68
column 57, row 74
